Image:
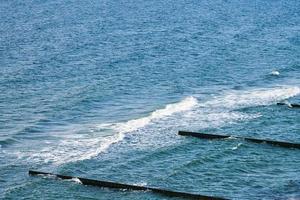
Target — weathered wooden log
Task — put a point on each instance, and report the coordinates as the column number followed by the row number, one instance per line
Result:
column 292, row 105
column 107, row 184
column 215, row 136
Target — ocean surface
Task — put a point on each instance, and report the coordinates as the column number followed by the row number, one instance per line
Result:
column 100, row 88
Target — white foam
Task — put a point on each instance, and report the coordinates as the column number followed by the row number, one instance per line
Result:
column 74, row 147
column 132, row 125
column 237, row 146
column 76, row 180
column 288, row 103
column 143, row 184
column 275, row 73
column 135, row 124
column 255, row 97
column 159, row 127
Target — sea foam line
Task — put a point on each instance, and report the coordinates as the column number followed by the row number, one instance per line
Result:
column 135, row 124
column 254, row 97
column 82, row 148
column 217, row 111
column 191, row 114
column 132, row 125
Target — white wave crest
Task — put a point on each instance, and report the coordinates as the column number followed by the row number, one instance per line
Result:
column 186, row 114
column 135, row 124
column 275, row 73
column 132, row 125
column 74, row 147
column 76, row 180
column 256, row 97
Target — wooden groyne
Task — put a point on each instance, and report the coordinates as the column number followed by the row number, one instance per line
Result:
column 114, row 185
column 292, row 105
column 215, row 136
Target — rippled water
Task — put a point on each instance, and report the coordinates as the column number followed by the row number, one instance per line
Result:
column 99, row 89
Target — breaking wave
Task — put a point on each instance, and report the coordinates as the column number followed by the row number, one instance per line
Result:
column 160, row 126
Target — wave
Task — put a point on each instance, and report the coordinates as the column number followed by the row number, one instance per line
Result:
column 82, row 148
column 275, row 73
column 159, row 127
column 6, row 142
column 255, row 97
column 132, row 125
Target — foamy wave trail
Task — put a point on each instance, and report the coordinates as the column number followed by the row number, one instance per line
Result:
column 255, row 97
column 186, row 114
column 74, row 147
column 132, row 125
column 275, row 73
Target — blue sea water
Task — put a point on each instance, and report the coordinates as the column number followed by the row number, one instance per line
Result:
column 99, row 89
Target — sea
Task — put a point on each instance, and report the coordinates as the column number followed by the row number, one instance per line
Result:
column 99, row 89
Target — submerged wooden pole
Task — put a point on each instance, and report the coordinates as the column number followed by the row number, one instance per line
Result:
column 292, row 105
column 214, row 136
column 115, row 185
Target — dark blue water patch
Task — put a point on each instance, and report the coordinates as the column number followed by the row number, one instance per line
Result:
column 4, row 142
